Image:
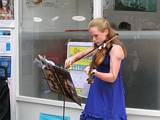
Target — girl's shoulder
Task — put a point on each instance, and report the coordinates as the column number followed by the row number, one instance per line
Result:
column 115, row 46
column 117, row 51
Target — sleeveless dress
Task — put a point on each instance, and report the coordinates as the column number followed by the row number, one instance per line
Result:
column 105, row 100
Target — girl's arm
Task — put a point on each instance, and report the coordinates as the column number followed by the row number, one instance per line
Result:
column 116, row 56
column 69, row 61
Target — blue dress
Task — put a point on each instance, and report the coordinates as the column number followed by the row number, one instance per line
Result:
column 105, row 100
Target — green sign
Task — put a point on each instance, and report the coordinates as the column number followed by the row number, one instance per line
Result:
column 136, row 5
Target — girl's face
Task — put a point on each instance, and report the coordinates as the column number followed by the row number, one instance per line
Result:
column 4, row 2
column 98, row 36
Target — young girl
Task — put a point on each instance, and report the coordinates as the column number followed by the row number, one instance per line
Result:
column 106, row 99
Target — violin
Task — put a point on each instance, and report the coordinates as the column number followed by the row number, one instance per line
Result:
column 98, row 58
column 102, row 50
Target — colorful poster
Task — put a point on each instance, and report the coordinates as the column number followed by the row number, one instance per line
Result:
column 75, row 47
column 78, row 75
column 6, row 9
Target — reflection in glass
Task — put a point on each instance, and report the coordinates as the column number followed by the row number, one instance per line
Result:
column 48, row 37
column 141, row 73
column 126, row 15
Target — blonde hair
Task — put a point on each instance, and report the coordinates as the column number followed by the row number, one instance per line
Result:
column 102, row 24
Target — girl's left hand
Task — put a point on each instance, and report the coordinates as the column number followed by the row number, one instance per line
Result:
column 87, row 69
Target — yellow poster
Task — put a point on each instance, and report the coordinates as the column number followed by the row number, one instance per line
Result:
column 80, row 64
column 77, row 72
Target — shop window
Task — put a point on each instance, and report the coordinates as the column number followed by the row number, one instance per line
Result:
column 137, row 22
column 47, row 26
column 138, row 15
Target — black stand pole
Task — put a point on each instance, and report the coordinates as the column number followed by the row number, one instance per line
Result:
column 57, row 77
column 63, row 107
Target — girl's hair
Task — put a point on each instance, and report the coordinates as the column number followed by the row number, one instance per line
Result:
column 102, row 24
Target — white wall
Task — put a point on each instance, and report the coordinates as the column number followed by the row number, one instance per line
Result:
column 30, row 109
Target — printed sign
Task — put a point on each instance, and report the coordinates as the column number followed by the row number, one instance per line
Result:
column 78, row 75
column 44, row 116
column 75, row 48
column 5, row 61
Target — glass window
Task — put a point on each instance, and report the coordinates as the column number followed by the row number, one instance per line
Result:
column 137, row 22
column 134, row 15
column 47, row 26
column 141, row 71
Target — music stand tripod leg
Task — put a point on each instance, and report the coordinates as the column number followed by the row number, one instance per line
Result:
column 57, row 77
column 63, row 107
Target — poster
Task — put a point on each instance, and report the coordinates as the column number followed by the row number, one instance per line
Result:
column 80, row 64
column 5, row 41
column 5, row 61
column 136, row 5
column 78, row 75
column 44, row 116
column 6, row 9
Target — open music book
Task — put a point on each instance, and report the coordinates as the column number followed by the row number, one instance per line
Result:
column 58, row 78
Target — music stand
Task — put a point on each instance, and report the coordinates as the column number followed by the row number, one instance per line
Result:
column 59, row 80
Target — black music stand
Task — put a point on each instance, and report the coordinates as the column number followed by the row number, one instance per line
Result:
column 59, row 80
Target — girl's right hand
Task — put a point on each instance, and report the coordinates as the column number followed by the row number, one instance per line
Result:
column 69, row 61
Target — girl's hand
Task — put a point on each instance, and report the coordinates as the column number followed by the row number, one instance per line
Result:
column 69, row 62
column 87, row 69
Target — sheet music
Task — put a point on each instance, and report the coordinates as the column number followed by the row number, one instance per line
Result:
column 58, row 78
